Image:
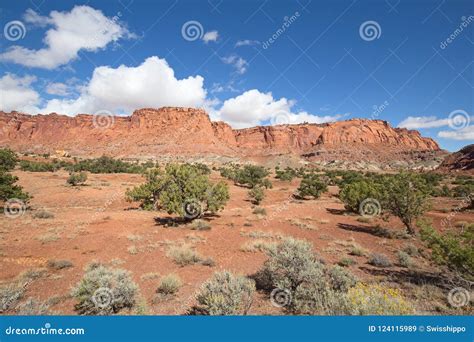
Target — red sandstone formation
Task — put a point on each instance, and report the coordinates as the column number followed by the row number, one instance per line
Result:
column 461, row 161
column 150, row 133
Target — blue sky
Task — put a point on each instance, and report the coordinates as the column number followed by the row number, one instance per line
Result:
column 246, row 62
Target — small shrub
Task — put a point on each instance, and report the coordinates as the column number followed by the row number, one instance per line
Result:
column 226, row 294
column 8, row 188
column 183, row 255
column 379, row 260
column 200, row 225
column 377, row 300
column 43, row 214
column 181, row 189
column 10, row 294
column 8, row 159
column 411, row 250
column 169, row 284
column 59, row 264
column 404, row 259
column 104, row 291
column 77, row 178
column 33, row 307
column 256, row 194
column 341, row 279
column 453, row 249
column 209, row 262
column 345, row 262
column 259, row 211
column 311, row 185
column 252, row 176
column 357, row 250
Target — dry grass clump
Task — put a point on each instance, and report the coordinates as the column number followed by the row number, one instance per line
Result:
column 169, row 284
column 183, row 255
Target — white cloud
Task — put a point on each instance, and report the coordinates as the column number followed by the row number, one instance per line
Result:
column 210, row 36
column 246, row 42
column 16, row 94
column 58, row 88
column 467, row 133
column 83, row 28
column 124, row 89
column 255, row 108
column 237, row 62
column 153, row 83
column 416, row 122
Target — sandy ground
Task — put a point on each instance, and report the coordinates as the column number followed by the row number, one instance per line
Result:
column 95, row 223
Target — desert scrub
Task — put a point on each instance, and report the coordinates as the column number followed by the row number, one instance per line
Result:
column 311, row 185
column 33, row 307
column 200, row 225
column 10, row 294
column 313, row 288
column 77, row 178
column 185, row 190
column 104, row 291
column 345, row 262
column 379, row 260
column 404, row 259
column 183, row 255
column 256, row 194
column 169, row 284
column 257, row 245
column 43, row 214
column 59, row 264
column 259, row 211
column 226, row 294
column 341, row 279
column 376, row 299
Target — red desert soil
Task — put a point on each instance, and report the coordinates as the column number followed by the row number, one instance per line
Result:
column 94, row 222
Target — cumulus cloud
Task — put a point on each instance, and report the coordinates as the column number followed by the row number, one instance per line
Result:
column 16, row 93
column 210, row 36
column 123, row 89
column 255, row 108
column 246, row 42
column 58, row 88
column 239, row 64
column 83, row 28
column 151, row 84
column 416, row 122
column 467, row 133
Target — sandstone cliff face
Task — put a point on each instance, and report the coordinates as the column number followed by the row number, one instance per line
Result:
column 187, row 131
column 461, row 161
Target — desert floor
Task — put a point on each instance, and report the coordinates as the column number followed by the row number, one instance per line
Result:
column 95, row 223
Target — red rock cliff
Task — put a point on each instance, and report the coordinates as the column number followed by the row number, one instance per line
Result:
column 187, row 131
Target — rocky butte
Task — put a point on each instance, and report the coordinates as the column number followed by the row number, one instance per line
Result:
column 175, row 131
